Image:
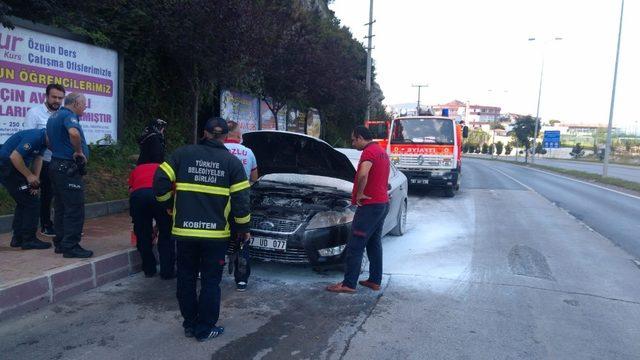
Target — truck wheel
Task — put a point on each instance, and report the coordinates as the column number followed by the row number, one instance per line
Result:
column 449, row 192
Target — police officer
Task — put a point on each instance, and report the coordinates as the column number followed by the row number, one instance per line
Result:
column 69, row 157
column 210, row 185
column 37, row 118
column 22, row 183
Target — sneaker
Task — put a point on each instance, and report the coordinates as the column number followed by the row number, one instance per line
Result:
column 47, row 231
column 77, row 252
column 340, row 288
column 35, row 244
column 241, row 286
column 188, row 332
column 57, row 249
column 211, row 334
column 370, row 284
column 16, row 241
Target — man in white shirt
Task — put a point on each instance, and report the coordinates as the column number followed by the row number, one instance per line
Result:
column 37, row 118
column 238, row 251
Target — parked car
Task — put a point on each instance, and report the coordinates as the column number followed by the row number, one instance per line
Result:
column 301, row 206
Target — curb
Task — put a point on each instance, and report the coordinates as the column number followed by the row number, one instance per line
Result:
column 91, row 211
column 62, row 283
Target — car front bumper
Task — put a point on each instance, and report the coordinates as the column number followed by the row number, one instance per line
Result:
column 303, row 247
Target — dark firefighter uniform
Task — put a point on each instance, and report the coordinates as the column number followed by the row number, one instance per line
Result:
column 203, row 184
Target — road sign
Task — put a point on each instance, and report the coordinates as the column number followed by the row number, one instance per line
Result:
column 551, row 139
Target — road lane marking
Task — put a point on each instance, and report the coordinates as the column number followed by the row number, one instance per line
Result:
column 586, row 183
column 567, row 178
column 516, row 180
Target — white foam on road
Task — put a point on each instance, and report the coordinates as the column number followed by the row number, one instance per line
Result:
column 437, row 245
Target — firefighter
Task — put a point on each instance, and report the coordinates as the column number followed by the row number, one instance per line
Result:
column 22, row 183
column 201, row 186
column 144, row 209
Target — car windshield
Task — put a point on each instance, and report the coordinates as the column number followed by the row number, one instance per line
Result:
column 420, row 130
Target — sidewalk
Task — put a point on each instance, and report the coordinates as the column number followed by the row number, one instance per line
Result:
column 33, row 278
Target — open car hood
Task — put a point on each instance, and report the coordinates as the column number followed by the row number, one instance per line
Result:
column 292, row 153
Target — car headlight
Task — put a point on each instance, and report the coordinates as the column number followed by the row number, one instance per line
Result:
column 332, row 251
column 330, row 218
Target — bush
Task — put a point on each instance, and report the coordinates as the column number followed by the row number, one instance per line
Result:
column 485, row 148
column 499, row 147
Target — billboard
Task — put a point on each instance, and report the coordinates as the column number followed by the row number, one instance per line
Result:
column 241, row 108
column 267, row 120
column 313, row 123
column 30, row 60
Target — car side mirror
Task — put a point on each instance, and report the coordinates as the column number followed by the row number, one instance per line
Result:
column 465, row 132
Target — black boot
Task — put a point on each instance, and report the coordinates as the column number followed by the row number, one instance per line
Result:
column 35, row 244
column 16, row 241
column 77, row 252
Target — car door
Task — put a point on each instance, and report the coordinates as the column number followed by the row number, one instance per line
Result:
column 396, row 194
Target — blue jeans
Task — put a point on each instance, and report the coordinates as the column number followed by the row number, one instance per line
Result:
column 366, row 232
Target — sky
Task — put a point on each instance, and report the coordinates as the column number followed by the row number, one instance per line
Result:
column 478, row 51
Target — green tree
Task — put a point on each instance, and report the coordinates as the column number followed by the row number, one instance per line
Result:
column 485, row 148
column 508, row 149
column 499, row 147
column 496, row 126
column 523, row 132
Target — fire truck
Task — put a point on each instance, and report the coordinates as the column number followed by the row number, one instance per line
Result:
column 428, row 150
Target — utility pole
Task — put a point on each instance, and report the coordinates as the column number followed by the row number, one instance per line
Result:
column 419, row 87
column 607, row 148
column 369, row 61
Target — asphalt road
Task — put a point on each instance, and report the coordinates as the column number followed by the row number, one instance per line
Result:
column 498, row 272
column 624, row 172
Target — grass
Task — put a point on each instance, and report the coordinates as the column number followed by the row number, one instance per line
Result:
column 106, row 179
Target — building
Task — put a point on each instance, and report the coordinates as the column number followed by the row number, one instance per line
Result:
column 468, row 112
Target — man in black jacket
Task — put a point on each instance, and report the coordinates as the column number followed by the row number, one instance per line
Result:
column 152, row 144
column 201, row 186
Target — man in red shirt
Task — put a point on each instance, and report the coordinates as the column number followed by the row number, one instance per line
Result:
column 370, row 195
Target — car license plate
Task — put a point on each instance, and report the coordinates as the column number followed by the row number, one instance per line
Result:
column 268, row 243
column 420, row 181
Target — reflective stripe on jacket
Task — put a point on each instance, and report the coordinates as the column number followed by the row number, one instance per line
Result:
column 204, row 184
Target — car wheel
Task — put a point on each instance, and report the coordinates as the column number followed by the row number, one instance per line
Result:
column 449, row 192
column 401, row 225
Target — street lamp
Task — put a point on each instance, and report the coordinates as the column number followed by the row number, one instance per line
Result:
column 607, row 147
column 535, row 132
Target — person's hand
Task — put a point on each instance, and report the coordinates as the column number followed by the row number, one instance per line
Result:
column 34, row 192
column 77, row 155
column 170, row 212
column 361, row 197
column 244, row 237
column 33, row 181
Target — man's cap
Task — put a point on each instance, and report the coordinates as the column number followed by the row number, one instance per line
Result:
column 216, row 125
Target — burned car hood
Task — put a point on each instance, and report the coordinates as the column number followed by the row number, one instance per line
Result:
column 292, row 153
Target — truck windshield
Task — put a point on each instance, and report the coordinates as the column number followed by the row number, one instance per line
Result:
column 419, row 130
column 378, row 130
